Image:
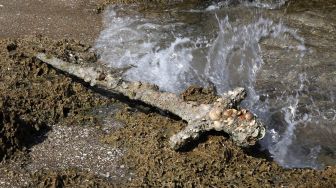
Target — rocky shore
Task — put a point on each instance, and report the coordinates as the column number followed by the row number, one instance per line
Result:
column 57, row 131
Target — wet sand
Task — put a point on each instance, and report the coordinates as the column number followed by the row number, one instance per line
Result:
column 75, row 19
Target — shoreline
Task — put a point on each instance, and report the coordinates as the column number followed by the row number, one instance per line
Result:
column 35, row 97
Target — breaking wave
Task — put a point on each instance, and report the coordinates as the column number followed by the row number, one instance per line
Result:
column 173, row 54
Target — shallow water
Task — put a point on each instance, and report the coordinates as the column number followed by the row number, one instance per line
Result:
column 282, row 59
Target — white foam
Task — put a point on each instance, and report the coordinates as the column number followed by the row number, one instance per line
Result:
column 280, row 148
column 158, row 56
column 162, row 53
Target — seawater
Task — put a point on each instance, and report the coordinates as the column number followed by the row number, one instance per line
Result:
column 221, row 44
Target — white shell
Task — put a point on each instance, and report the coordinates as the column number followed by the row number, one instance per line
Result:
column 239, row 129
column 234, row 113
column 87, row 79
column 230, row 121
column 227, row 113
column 217, row 125
column 255, row 133
column 248, row 116
column 215, row 114
column 252, row 122
column 239, row 113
